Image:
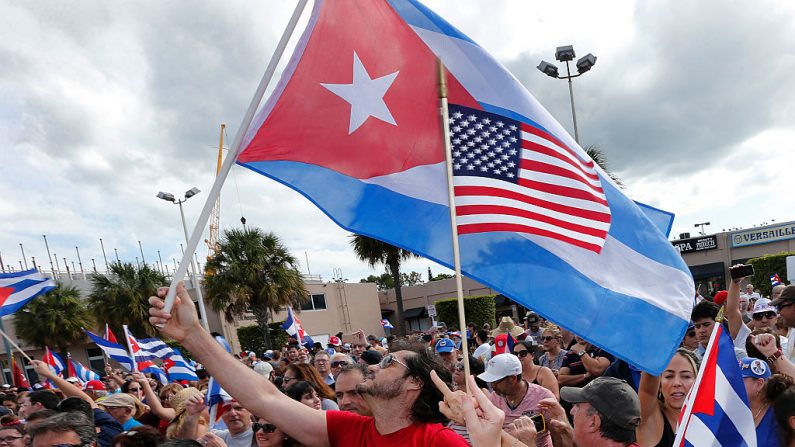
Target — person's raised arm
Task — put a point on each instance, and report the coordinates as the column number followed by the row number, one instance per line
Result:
column 69, row 390
column 766, row 344
column 732, row 312
column 256, row 393
column 651, row 418
column 167, row 414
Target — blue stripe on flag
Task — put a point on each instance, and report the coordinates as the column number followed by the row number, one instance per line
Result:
column 417, row 14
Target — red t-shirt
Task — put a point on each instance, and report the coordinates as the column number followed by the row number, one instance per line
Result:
column 350, row 429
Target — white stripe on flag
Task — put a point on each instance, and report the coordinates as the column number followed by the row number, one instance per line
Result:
column 503, row 201
column 504, row 218
column 28, row 292
column 700, row 435
column 734, row 407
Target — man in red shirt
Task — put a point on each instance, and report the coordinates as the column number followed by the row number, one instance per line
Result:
column 399, row 391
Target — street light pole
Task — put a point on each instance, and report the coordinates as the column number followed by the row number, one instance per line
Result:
column 170, row 197
column 585, row 63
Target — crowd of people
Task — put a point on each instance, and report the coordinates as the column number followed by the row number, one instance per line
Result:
column 533, row 384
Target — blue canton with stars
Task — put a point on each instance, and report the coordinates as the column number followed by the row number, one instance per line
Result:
column 484, row 144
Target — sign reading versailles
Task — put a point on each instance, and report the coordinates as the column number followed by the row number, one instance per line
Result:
column 696, row 244
column 764, row 235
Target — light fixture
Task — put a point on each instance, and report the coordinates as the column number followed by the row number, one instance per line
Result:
column 166, row 196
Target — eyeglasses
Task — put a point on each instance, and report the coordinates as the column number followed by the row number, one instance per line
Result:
column 521, row 354
column 10, row 439
column 768, row 315
column 267, row 428
column 286, row 379
column 338, row 363
column 548, row 338
column 389, row 360
column 133, row 389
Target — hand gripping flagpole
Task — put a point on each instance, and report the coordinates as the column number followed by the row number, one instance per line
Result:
column 453, row 224
column 215, row 191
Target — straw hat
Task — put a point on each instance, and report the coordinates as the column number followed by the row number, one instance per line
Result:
column 507, row 326
column 124, row 400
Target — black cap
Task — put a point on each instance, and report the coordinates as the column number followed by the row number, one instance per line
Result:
column 788, row 294
column 613, row 398
column 371, row 357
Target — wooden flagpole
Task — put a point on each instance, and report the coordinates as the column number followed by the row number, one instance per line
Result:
column 453, row 224
column 215, row 191
column 16, row 346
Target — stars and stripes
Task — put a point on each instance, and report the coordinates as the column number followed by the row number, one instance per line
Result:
column 178, row 368
column 109, row 336
column 113, row 350
column 17, row 288
column 511, row 176
column 293, row 326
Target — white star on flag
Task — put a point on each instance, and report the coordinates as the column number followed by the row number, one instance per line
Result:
column 365, row 95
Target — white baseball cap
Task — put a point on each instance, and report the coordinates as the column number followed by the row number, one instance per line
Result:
column 501, row 366
column 763, row 305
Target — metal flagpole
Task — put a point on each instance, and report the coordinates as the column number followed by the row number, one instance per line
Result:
column 129, row 346
column 52, row 269
column 453, row 225
column 23, row 255
column 201, row 223
column 140, row 247
column 102, row 244
column 9, row 352
column 80, row 263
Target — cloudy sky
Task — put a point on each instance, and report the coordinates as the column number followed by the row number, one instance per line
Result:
column 105, row 103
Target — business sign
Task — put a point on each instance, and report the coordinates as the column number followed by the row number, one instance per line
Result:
column 696, row 244
column 431, row 310
column 772, row 233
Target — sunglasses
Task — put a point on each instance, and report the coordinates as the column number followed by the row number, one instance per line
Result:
column 267, row 428
column 548, row 338
column 782, row 306
column 338, row 364
column 390, row 360
column 691, row 333
column 759, row 316
column 521, row 354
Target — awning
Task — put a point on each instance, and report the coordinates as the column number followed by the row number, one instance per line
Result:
column 705, row 271
column 385, row 312
column 417, row 312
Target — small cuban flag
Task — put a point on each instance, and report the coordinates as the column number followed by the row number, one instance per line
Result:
column 17, row 288
column 386, row 324
column 775, row 280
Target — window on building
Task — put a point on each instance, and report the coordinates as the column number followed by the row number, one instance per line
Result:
column 316, row 302
column 8, row 378
column 96, row 360
column 33, row 376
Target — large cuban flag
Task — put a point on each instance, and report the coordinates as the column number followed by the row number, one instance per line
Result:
column 354, row 126
column 17, row 288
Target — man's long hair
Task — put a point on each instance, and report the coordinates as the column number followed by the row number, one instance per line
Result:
column 426, row 407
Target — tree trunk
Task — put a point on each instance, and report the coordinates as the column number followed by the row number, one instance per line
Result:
column 261, row 314
column 394, row 269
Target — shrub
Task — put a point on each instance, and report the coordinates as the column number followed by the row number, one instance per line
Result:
column 251, row 338
column 477, row 309
column 767, row 265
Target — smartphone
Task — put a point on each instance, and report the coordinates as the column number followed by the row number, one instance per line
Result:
column 741, row 271
column 538, row 420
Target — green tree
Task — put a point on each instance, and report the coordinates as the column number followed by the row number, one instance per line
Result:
column 122, row 297
column 252, row 271
column 373, row 252
column 382, row 281
column 600, row 158
column 55, row 319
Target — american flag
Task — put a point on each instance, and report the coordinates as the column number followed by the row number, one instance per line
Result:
column 511, row 176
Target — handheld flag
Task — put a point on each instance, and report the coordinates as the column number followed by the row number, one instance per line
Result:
column 775, row 280
column 217, row 398
column 178, row 368
column 17, row 288
column 109, row 334
column 142, row 360
column 386, row 324
column 113, row 350
column 82, row 372
column 53, row 360
column 19, row 378
column 293, row 327
column 154, row 348
column 716, row 411
column 530, row 203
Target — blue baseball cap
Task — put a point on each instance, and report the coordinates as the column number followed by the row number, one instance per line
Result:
column 445, row 345
column 754, row 368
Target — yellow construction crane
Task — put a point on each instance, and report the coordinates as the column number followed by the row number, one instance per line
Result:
column 215, row 216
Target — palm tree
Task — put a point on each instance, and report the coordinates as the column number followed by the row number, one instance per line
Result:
column 55, row 319
column 252, row 271
column 122, row 296
column 373, row 251
column 600, row 158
